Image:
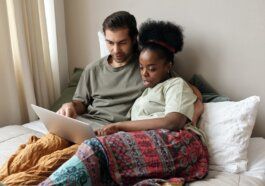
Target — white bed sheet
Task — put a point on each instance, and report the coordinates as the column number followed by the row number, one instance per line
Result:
column 256, row 158
column 13, row 136
column 37, row 126
column 215, row 178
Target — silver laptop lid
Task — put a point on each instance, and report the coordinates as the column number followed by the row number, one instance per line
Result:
column 68, row 128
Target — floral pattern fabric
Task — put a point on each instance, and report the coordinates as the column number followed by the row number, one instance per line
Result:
column 136, row 158
column 161, row 153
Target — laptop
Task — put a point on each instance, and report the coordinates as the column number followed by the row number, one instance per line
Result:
column 68, row 128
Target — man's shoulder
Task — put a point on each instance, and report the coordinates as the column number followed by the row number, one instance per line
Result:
column 97, row 64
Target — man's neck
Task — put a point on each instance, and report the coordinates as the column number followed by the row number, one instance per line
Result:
column 115, row 64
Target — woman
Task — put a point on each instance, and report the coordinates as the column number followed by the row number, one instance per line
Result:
column 159, row 143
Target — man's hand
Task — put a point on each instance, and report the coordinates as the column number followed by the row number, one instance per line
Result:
column 108, row 129
column 198, row 110
column 68, row 109
column 198, row 105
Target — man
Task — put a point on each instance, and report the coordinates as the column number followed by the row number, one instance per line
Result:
column 108, row 87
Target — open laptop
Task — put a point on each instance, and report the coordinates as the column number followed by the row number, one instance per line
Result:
column 68, row 128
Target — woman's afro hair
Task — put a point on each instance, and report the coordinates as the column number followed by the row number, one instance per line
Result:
column 161, row 31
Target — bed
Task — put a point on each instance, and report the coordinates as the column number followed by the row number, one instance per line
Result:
column 239, row 161
column 236, row 159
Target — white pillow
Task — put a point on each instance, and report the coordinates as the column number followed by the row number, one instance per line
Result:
column 228, row 127
column 102, row 45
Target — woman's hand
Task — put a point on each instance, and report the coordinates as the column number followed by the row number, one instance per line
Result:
column 108, row 129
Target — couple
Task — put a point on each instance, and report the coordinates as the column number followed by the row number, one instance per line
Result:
column 159, row 143
column 152, row 146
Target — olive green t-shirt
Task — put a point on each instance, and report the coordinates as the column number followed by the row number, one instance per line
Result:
column 109, row 92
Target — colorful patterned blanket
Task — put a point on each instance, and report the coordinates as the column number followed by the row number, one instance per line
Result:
column 136, row 158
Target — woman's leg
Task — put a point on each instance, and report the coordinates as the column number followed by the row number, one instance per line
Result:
column 134, row 157
column 161, row 154
column 87, row 167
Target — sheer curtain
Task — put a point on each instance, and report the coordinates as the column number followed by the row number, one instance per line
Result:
column 29, row 65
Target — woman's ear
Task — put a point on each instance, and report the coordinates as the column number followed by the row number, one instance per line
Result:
column 169, row 66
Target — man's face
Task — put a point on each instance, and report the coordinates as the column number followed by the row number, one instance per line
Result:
column 120, row 45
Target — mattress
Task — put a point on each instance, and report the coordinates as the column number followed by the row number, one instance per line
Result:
column 215, row 178
column 13, row 136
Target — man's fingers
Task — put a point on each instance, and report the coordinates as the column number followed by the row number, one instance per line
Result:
column 61, row 112
column 67, row 113
column 74, row 115
column 67, row 110
column 70, row 113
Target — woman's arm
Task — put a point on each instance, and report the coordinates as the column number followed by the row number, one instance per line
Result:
column 172, row 121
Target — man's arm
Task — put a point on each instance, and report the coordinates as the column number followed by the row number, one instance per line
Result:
column 72, row 109
column 198, row 105
column 75, row 107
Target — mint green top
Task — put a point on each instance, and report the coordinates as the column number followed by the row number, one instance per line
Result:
column 172, row 95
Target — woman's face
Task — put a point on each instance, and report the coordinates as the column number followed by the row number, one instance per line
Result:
column 153, row 69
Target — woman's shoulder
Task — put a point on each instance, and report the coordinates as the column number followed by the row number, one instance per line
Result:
column 175, row 81
column 169, row 84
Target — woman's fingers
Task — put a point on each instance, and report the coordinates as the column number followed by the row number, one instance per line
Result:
column 106, row 130
column 100, row 132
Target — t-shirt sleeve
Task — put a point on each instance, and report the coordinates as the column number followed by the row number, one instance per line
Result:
column 180, row 98
column 82, row 91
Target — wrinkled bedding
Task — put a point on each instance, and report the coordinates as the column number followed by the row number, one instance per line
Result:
column 35, row 161
column 13, row 136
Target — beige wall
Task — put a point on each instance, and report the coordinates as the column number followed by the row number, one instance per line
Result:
column 224, row 40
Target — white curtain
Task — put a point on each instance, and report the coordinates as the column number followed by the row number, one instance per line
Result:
column 29, row 67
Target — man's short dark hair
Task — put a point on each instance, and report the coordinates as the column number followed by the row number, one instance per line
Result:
column 121, row 19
